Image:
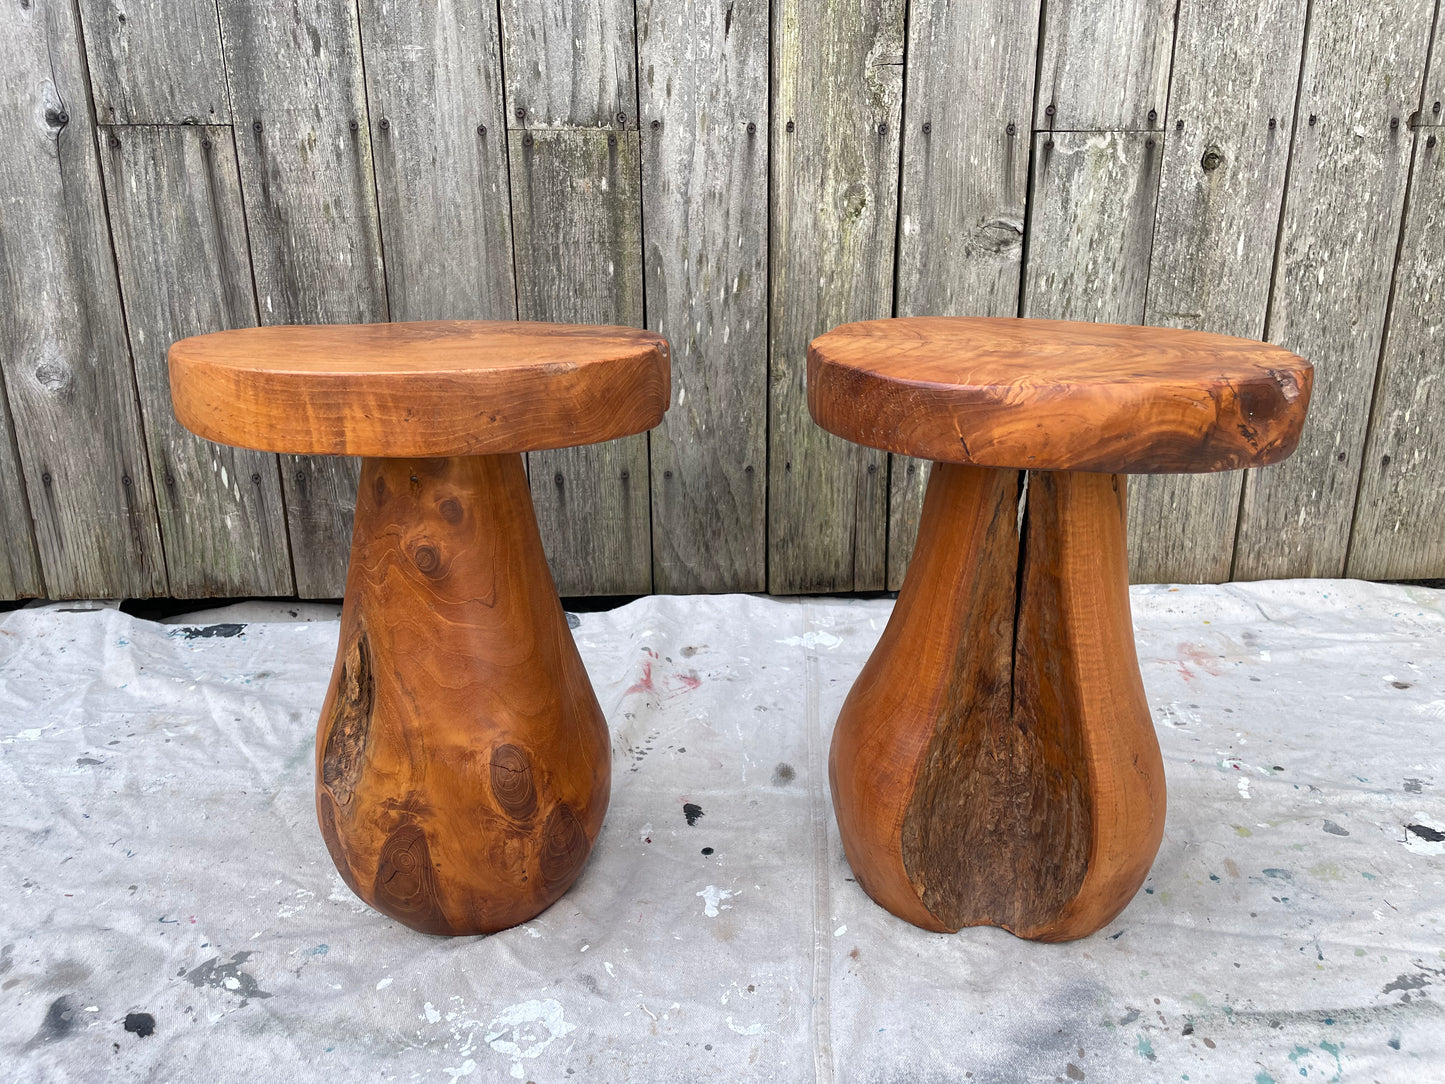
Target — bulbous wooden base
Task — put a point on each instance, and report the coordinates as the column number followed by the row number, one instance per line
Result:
column 995, row 763
column 462, row 761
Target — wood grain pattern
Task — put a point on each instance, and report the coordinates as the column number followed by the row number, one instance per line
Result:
column 705, row 175
column 1058, row 395
column 304, row 145
column 1363, row 69
column 1091, row 225
column 462, row 760
column 1104, row 64
column 576, row 210
column 964, row 189
column 63, row 348
column 837, row 108
column 433, row 388
column 433, row 73
column 995, row 763
column 570, row 63
column 155, row 61
column 1231, row 100
column 180, row 245
column 1399, row 531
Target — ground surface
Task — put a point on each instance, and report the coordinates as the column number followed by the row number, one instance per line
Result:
column 170, row 913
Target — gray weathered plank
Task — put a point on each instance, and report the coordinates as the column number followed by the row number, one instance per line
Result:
column 704, row 181
column 1231, row 100
column 66, row 363
column 180, row 243
column 837, row 104
column 155, row 61
column 970, row 92
column 1432, row 107
column 1399, row 530
column 305, row 153
column 19, row 562
column 433, row 72
column 1104, row 64
column 1091, row 225
column 577, row 221
column 570, row 63
column 1362, row 77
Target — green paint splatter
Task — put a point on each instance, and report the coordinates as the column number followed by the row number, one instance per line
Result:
column 1241, row 830
column 1144, row 1048
column 1263, row 1078
column 1327, row 871
column 1367, row 876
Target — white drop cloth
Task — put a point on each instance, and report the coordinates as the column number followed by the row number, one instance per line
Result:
column 159, row 855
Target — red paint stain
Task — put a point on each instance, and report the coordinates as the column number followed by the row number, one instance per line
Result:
column 645, row 685
column 1198, row 657
column 674, row 684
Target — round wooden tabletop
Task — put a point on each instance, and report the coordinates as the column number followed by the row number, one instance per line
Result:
column 438, row 388
column 1058, row 395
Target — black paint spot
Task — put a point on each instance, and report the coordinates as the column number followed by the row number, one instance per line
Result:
column 1424, row 831
column 83, row 761
column 1412, row 786
column 1280, row 874
column 1406, row 982
column 1335, row 830
column 707, row 850
column 140, row 1023
column 59, row 1021
column 1073, row 1072
column 783, row 774
column 692, row 811
column 227, row 976
column 209, row 632
column 1394, row 1044
column 1400, row 684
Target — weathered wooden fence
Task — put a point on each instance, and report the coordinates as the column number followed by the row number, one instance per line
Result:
column 739, row 176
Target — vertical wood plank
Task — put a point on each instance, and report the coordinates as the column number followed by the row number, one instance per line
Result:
column 1399, row 530
column 1231, row 104
column 704, row 109
column 577, row 210
column 837, row 105
column 295, row 74
column 155, row 61
column 1104, row 64
column 180, row 239
column 433, row 72
column 1362, row 78
column 63, row 349
column 570, row 63
column 970, row 92
column 1091, row 225
column 1432, row 102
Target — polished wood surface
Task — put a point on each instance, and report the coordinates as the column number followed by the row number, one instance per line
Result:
column 436, row 388
column 462, row 761
column 995, row 762
column 1059, row 395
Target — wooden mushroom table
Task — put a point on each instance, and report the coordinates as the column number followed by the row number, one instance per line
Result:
column 462, row 761
column 995, row 762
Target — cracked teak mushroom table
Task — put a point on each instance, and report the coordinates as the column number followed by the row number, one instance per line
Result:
column 995, row 763
column 462, row 761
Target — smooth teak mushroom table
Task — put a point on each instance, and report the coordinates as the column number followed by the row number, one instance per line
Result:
column 462, row 761
column 995, row 763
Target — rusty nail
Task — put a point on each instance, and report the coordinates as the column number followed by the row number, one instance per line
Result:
column 114, row 140
column 256, row 126
column 927, row 127
column 1394, row 123
column 355, row 127
column 205, row 144
column 790, row 126
column 656, row 124
column 1272, row 123
column 481, row 129
column 1313, row 119
column 1049, row 109
column 752, row 128
column 1153, row 115
column 1179, row 125
column 1012, row 128
column 527, row 140
column 385, row 124
column 1048, row 144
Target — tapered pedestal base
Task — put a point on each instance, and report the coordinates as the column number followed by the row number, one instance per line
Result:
column 995, row 763
column 462, row 761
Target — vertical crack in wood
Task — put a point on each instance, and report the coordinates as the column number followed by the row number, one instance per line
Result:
column 350, row 725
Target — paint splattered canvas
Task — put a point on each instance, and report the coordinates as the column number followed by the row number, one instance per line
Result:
column 171, row 913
